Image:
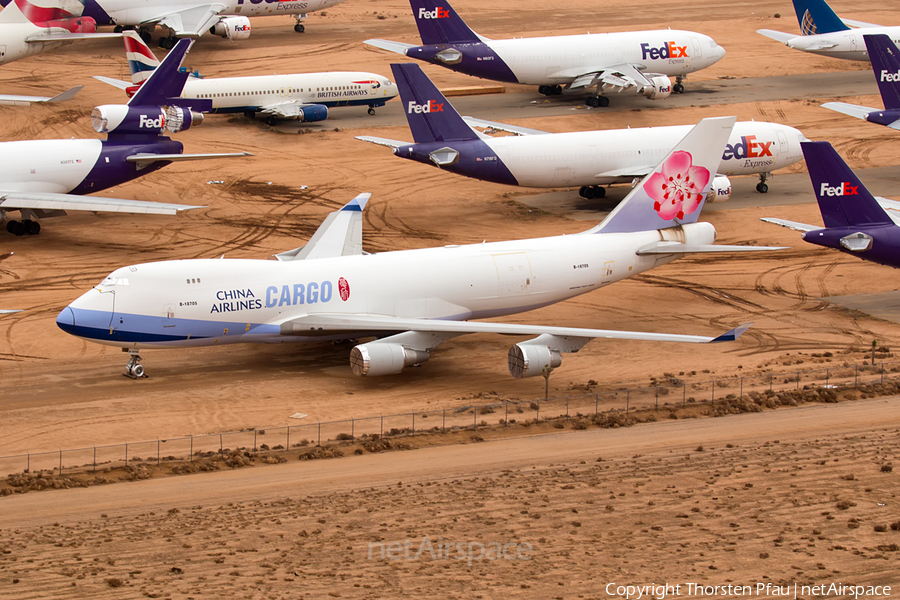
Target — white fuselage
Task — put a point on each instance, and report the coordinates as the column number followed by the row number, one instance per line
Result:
column 339, row 88
column 56, row 166
column 206, row 302
column 134, row 12
column 605, row 157
column 848, row 44
column 560, row 59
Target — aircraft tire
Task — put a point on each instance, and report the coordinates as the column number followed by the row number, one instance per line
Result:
column 592, row 101
column 17, row 228
column 556, row 90
column 603, row 101
column 678, row 88
column 762, row 188
column 117, row 29
column 299, row 28
column 371, row 110
column 599, row 191
column 270, row 121
column 31, row 227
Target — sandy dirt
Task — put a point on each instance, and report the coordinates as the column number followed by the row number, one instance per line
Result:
column 61, row 392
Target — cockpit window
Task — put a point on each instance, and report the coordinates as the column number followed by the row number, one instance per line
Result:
column 112, row 281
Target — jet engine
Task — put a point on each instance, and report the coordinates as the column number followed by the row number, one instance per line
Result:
column 232, row 28
column 660, row 88
column 313, row 113
column 121, row 118
column 529, row 360
column 720, row 190
column 383, row 358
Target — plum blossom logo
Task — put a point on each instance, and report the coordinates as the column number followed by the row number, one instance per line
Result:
column 678, row 190
column 344, row 289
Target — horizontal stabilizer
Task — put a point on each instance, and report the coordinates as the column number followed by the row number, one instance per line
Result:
column 891, row 207
column 398, row 47
column 146, row 159
column 473, row 122
column 122, row 85
column 852, row 110
column 382, row 141
column 853, row 23
column 791, row 224
column 340, row 234
column 8, row 312
column 777, row 35
column 69, row 37
column 373, row 323
column 679, row 248
column 730, row 336
column 50, row 201
column 26, row 100
column 629, row 172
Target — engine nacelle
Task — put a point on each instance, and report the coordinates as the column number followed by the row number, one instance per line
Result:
column 180, row 119
column 232, row 28
column 384, row 358
column 720, row 190
column 530, row 360
column 120, row 118
column 660, row 88
column 313, row 113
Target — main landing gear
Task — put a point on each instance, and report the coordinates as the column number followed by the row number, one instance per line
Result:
column 550, row 90
column 595, row 101
column 371, row 110
column 19, row 228
column 168, row 42
column 678, row 88
column 134, row 368
column 761, row 187
column 589, row 192
column 299, row 28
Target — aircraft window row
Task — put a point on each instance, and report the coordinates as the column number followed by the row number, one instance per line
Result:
column 197, row 280
column 289, row 91
column 339, row 88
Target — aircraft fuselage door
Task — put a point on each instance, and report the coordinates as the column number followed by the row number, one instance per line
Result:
column 853, row 43
column 782, row 141
column 514, row 276
column 168, row 314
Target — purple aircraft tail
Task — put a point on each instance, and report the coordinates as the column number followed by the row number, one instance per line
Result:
column 166, row 83
column 885, row 59
column 431, row 118
column 438, row 23
column 843, row 199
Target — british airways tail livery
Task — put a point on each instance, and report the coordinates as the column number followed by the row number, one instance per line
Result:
column 823, row 32
column 886, row 64
column 305, row 97
column 410, row 301
column 587, row 159
column 640, row 61
column 855, row 221
column 45, row 178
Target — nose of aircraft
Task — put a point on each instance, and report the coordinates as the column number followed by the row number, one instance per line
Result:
column 65, row 320
column 717, row 53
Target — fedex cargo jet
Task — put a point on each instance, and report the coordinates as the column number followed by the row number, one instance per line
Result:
column 885, row 59
column 641, row 61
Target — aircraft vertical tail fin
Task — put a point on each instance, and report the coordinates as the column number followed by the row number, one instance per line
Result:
column 431, row 118
column 166, row 83
column 141, row 61
column 438, row 23
column 815, row 16
column 674, row 193
column 843, row 199
column 885, row 59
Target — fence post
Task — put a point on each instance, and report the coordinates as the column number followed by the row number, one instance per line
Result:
column 882, row 371
column 567, row 407
column 95, row 458
column 352, row 429
column 627, row 400
column 475, row 417
column 683, row 394
column 742, row 387
column 157, row 452
column 714, row 391
column 254, row 439
column 221, row 447
column 319, row 443
column 596, row 403
column 444, row 420
column 60, row 461
column 826, row 377
column 770, row 381
column 192, row 448
column 856, row 376
column 506, row 405
column 657, row 396
column 414, row 424
column 28, row 462
column 288, row 446
column 126, row 454
column 537, row 418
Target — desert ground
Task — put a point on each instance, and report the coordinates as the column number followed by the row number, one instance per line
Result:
column 60, row 392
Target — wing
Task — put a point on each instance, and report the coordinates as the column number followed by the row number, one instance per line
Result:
column 679, row 248
column 49, row 201
column 398, row 47
column 891, row 207
column 8, row 312
column 68, row 37
column 286, row 110
column 26, row 100
column 340, row 234
column 145, row 159
column 382, row 141
column 778, row 36
column 627, row 172
column 193, row 21
column 373, row 323
column 122, row 85
column 791, row 224
column 860, row 112
column 473, row 122
column 616, row 78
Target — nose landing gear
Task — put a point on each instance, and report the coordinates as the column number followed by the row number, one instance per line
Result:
column 134, row 369
column 372, row 110
column 762, row 187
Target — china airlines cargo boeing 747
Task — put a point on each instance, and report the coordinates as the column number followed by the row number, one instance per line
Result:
column 641, row 61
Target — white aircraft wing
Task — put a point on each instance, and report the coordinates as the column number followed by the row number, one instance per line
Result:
column 340, row 234
column 122, row 85
column 791, row 224
column 373, row 323
column 640, row 171
column 8, row 312
column 891, row 207
column 473, row 122
column 852, row 23
column 68, row 37
column 779, row 36
column 193, row 21
column 855, row 110
column 614, row 77
column 398, row 47
column 51, row 201
column 26, row 100
column 286, row 110
column 679, row 248
column 145, row 159
column 382, row 141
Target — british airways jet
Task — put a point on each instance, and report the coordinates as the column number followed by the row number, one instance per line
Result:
column 826, row 34
column 302, row 96
column 855, row 221
column 641, row 61
column 589, row 159
column 413, row 300
column 885, row 59
column 228, row 18
column 45, row 178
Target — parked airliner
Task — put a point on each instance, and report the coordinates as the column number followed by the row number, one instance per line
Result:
column 228, row 18
column 885, row 59
column 302, row 96
column 855, row 221
column 589, row 159
column 826, row 34
column 641, row 61
column 45, row 178
column 413, row 300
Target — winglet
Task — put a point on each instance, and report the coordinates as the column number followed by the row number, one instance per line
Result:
column 674, row 193
column 885, row 59
column 438, row 23
column 730, row 336
column 815, row 16
column 358, row 203
column 66, row 95
column 431, row 118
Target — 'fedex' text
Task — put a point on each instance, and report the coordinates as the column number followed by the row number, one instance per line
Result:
column 748, row 147
column 429, row 107
column 437, row 13
column 845, row 189
column 668, row 50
